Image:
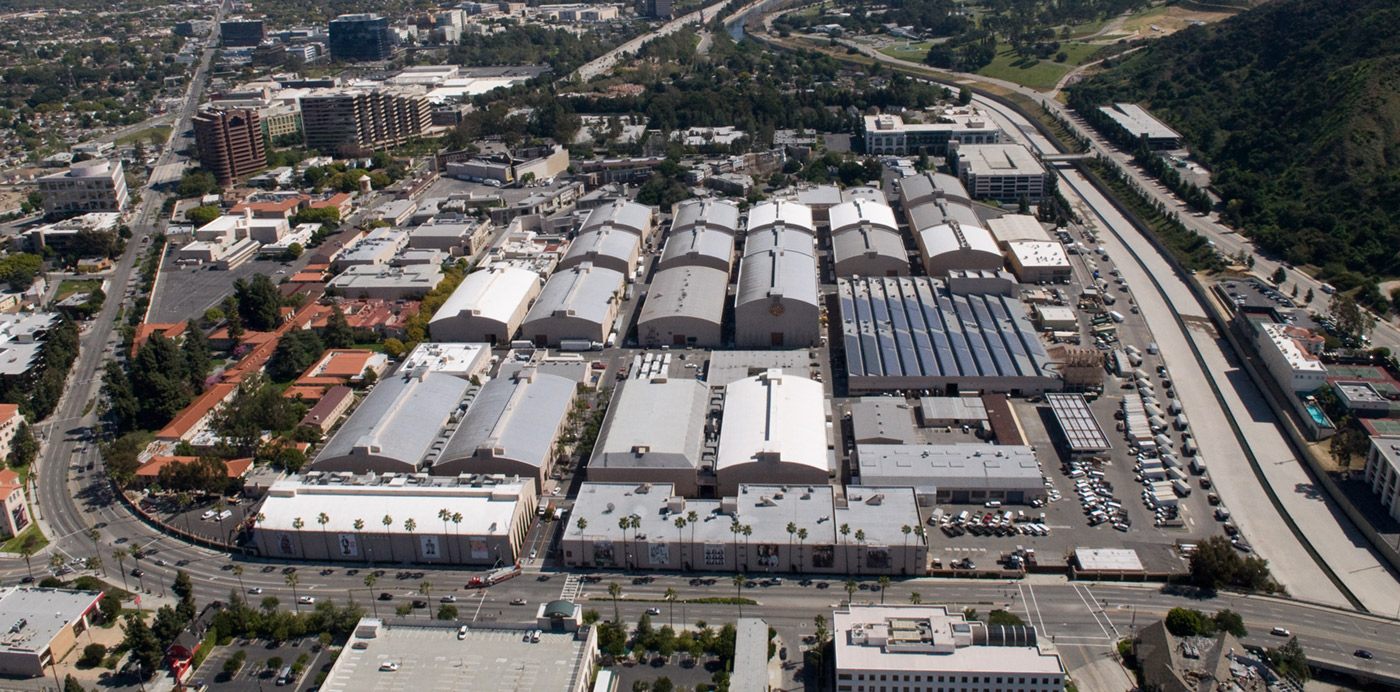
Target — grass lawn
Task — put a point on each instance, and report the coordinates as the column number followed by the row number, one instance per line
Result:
column 161, row 131
column 71, row 286
column 1088, row 28
column 377, row 347
column 13, row 545
column 1036, row 74
column 913, row 52
column 1141, row 21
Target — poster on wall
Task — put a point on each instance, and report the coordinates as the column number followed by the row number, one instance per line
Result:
column 430, row 547
column 823, row 556
column 603, row 553
column 877, row 558
column 285, row 546
column 478, row 548
column 659, row 554
column 767, row 555
column 348, row 546
column 714, row 555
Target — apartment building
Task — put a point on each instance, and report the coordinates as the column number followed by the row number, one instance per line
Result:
column 370, row 118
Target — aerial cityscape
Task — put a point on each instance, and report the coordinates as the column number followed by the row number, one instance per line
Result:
column 669, row 345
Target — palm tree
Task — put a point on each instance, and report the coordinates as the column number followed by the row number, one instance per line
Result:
column 410, row 526
column 388, row 522
column 446, row 515
column 802, row 546
column 95, row 563
column 735, row 528
column 615, row 590
column 457, row 532
column 184, row 500
column 671, row 598
column 624, row 523
column 739, row 581
column 370, row 581
column 120, row 554
column 860, row 538
column 635, row 522
column 425, row 588
column 323, row 519
column 691, row 519
column 792, row 531
column 747, row 531
column 292, row 581
column 915, row 598
column 359, row 536
column 55, row 562
column 906, row 530
column 845, row 532
column 884, row 586
column 297, row 523
column 27, row 549
column 238, row 572
column 851, row 587
column 680, row 526
column 919, row 533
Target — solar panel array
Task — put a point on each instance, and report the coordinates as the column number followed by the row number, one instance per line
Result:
column 913, row 327
column 1078, row 423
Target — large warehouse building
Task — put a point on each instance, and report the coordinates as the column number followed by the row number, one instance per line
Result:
column 44, row 625
column 781, row 213
column 860, row 212
column 400, row 515
column 958, row 473
column 608, row 248
column 774, row 431
column 765, row 511
column 577, row 303
column 869, row 251
column 510, row 428
column 713, row 214
column 920, row 333
column 777, row 305
column 951, row 246
column 488, row 306
column 684, row 307
column 698, row 247
column 656, row 431
column 621, row 214
column 405, row 419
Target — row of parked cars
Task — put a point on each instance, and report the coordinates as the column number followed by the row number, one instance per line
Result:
column 994, row 523
column 1096, row 495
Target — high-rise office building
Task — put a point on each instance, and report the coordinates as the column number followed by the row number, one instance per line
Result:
column 238, row 33
column 662, row 9
column 361, row 37
column 92, row 185
column 230, row 142
column 374, row 118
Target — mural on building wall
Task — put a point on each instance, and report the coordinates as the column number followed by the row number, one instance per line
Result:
column 714, row 555
column 659, row 554
column 349, row 547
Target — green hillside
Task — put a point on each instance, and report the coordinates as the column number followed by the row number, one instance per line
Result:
column 1296, row 106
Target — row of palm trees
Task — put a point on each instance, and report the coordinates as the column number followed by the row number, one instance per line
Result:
column 737, row 528
column 410, row 525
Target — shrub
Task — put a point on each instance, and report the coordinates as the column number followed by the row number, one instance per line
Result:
column 92, row 656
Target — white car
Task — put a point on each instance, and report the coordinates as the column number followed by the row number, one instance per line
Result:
column 208, row 514
column 389, row 667
column 255, row 590
column 462, row 632
column 307, row 600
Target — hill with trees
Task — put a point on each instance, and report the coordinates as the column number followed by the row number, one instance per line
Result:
column 1295, row 105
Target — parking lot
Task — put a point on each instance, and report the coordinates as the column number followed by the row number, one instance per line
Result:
column 185, row 292
column 257, row 674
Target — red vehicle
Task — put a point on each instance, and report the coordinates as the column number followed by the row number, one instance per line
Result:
column 494, row 577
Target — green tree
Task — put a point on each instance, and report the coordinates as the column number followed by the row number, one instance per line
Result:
column 1186, row 622
column 23, row 447
column 259, row 302
column 142, row 643
column 71, row 684
column 199, row 216
column 1290, row 660
column 615, row 591
column 196, row 352
column 338, row 333
column 1229, row 621
column 447, row 611
column 296, row 351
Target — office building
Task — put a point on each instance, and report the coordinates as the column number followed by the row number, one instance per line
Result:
column 496, row 513
column 883, row 648
column 576, row 304
column 1139, row 124
column 661, row 9
column 1383, row 472
column 488, row 306
column 773, row 431
column 388, row 283
column 230, row 143
column 92, row 185
column 684, row 307
column 1001, row 172
column 64, row 235
column 889, row 135
column 656, row 431
column 948, row 336
column 762, row 545
column 409, row 416
column 510, row 428
column 242, row 33
column 954, row 473
column 434, row 656
column 21, row 339
column 44, row 627
column 362, row 37
column 1292, row 355
column 376, row 118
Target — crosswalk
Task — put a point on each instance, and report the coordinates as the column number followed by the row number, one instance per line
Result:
column 572, row 585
